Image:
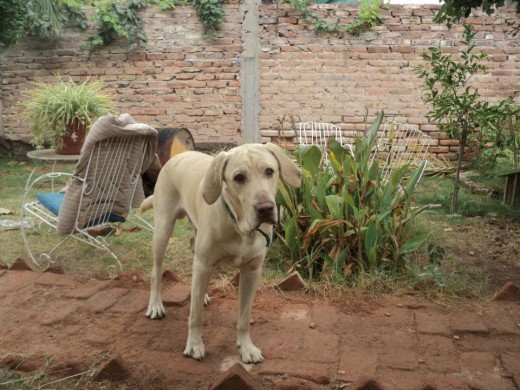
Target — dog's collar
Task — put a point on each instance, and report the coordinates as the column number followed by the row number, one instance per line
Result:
column 233, row 218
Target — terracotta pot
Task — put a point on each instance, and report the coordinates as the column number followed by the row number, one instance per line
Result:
column 71, row 145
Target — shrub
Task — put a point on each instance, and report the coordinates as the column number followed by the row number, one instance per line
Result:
column 345, row 219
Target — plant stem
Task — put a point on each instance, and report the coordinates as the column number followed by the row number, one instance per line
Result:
column 462, row 146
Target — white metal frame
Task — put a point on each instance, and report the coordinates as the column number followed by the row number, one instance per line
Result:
column 109, row 163
column 319, row 133
column 398, row 145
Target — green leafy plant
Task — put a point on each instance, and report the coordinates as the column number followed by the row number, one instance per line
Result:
column 456, row 105
column 42, row 18
column 117, row 18
column 211, row 13
column 369, row 15
column 345, row 218
column 52, row 107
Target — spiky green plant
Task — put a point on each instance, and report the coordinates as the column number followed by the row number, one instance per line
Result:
column 52, row 107
column 345, row 218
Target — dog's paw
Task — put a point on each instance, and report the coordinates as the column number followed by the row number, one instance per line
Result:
column 156, row 311
column 251, row 354
column 195, row 350
column 206, row 300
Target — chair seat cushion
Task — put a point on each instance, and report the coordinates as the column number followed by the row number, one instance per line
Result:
column 53, row 201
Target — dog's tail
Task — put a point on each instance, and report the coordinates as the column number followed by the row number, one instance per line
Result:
column 147, row 204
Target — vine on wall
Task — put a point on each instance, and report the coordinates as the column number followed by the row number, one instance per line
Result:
column 369, row 15
column 116, row 18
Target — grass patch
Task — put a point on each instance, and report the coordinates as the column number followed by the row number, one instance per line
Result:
column 448, row 277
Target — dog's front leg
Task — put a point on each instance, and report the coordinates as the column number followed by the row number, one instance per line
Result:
column 199, row 284
column 249, row 277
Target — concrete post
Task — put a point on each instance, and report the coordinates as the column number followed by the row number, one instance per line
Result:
column 250, row 70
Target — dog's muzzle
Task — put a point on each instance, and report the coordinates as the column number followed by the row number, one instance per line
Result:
column 265, row 212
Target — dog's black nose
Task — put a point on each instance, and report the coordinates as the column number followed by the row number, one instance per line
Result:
column 264, row 210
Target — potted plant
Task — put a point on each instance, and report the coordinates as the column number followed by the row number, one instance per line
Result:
column 61, row 113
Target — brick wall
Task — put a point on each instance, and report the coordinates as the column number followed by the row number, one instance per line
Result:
column 180, row 79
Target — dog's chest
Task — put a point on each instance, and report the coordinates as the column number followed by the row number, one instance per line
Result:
column 244, row 251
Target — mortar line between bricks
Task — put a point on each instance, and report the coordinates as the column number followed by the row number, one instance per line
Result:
column 340, row 354
column 416, row 335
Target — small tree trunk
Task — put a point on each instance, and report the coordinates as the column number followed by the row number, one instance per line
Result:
column 513, row 140
column 462, row 146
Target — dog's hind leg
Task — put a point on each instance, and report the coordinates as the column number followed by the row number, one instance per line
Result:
column 162, row 232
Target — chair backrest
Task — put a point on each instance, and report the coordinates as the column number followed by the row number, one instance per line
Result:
column 400, row 144
column 107, row 183
column 318, row 133
column 111, row 180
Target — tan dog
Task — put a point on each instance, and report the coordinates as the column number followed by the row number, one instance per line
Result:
column 229, row 201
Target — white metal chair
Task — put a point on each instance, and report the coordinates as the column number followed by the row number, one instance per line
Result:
column 103, row 189
column 319, row 133
column 400, row 144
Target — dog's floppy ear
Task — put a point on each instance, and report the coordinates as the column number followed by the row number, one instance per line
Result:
column 212, row 184
column 289, row 171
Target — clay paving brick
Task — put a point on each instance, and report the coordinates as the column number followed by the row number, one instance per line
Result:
column 85, row 291
column 114, row 369
column 58, row 311
column 451, row 381
column 52, row 279
column 488, row 380
column 236, row 378
column 403, row 380
column 292, row 282
column 314, row 372
column 439, row 353
column 465, row 322
column 325, row 317
column 22, row 264
column 292, row 341
column 105, row 299
column 399, row 359
column 398, row 350
column 356, row 363
column 134, row 301
column 511, row 362
column 14, row 281
column 294, row 384
column 432, row 323
column 508, row 292
column 176, row 295
column 477, row 361
column 502, row 324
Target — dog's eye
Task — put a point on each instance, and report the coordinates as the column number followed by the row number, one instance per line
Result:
column 269, row 172
column 240, row 178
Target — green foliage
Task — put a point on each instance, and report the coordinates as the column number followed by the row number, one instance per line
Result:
column 456, row 105
column 52, row 107
column 14, row 22
column 42, row 18
column 117, row 18
column 344, row 218
column 211, row 13
column 453, row 10
column 369, row 15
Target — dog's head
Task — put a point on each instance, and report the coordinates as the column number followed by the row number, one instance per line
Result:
column 247, row 178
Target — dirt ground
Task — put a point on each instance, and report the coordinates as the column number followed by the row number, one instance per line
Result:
column 95, row 331
column 486, row 248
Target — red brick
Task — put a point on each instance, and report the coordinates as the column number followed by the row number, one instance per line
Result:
column 317, row 373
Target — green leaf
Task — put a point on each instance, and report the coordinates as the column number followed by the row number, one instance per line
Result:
column 335, row 206
column 413, row 244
